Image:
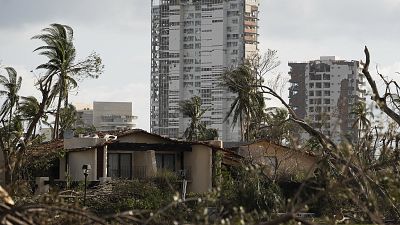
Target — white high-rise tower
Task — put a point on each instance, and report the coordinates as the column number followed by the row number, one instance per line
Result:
column 193, row 42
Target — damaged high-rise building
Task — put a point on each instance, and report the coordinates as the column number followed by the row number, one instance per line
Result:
column 324, row 93
column 193, row 42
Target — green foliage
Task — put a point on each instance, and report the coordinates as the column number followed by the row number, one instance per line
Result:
column 67, row 118
column 249, row 188
column 277, row 127
column 122, row 195
column 85, row 130
column 248, row 107
column 62, row 65
column 197, row 130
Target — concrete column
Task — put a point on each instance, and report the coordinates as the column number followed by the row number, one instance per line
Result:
column 151, row 163
column 42, row 185
column 105, row 161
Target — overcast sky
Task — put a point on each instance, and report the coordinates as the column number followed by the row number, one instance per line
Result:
column 119, row 30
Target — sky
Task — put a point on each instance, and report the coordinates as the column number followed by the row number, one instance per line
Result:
column 119, row 30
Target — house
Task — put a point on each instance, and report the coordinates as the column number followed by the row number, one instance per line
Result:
column 278, row 161
column 138, row 154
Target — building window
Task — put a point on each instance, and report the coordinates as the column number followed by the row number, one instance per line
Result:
column 327, row 85
column 165, row 161
column 119, row 165
column 315, row 76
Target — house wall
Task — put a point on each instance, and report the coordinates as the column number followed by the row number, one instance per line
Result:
column 199, row 160
column 289, row 162
column 77, row 159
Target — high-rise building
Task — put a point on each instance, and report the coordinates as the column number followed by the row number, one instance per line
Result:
column 84, row 118
column 193, row 42
column 324, row 93
column 106, row 116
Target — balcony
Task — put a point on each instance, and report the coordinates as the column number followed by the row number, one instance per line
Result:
column 250, row 23
column 250, row 38
column 250, row 31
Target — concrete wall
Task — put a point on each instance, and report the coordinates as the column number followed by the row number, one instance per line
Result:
column 199, row 160
column 77, row 159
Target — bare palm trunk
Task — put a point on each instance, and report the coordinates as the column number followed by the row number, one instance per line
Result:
column 7, row 168
column 241, row 128
column 34, row 132
column 57, row 119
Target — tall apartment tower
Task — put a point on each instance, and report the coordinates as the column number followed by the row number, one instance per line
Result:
column 193, row 42
column 324, row 93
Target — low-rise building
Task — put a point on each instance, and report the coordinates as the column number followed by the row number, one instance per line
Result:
column 138, row 154
column 278, row 161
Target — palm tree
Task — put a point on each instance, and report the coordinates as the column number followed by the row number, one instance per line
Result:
column 361, row 114
column 67, row 118
column 10, row 130
column 61, row 54
column 192, row 108
column 11, row 87
column 60, row 51
column 277, row 126
column 248, row 106
column 28, row 108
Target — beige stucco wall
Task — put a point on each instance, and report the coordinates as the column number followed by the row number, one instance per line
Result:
column 199, row 160
column 77, row 159
column 289, row 162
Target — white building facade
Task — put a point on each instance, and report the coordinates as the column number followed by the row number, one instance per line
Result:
column 113, row 116
column 193, row 43
column 106, row 116
column 324, row 93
